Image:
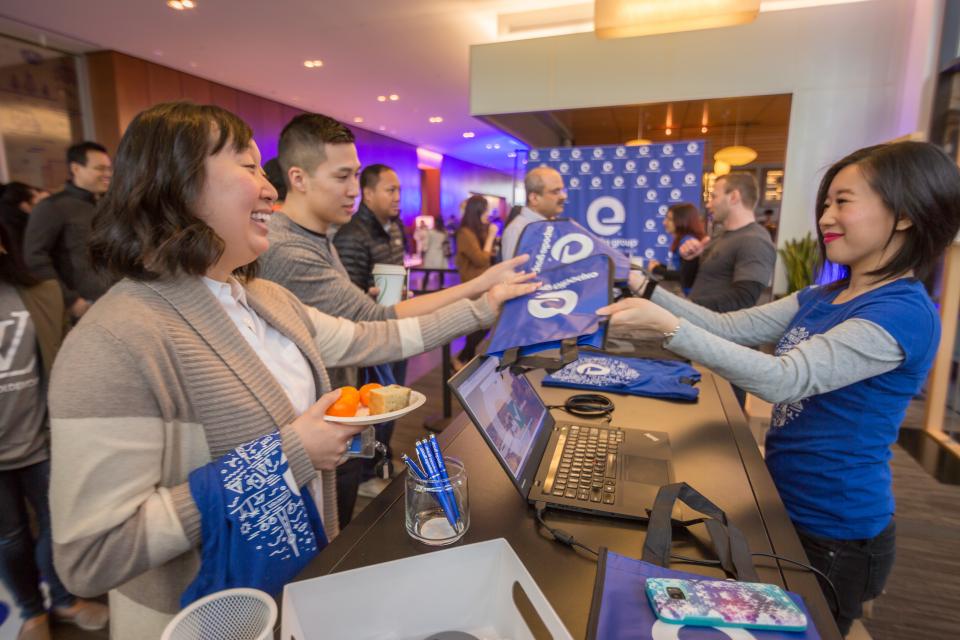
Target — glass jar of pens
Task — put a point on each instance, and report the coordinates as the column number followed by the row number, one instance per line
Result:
column 437, row 504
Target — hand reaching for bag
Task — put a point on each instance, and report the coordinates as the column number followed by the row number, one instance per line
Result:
column 633, row 315
column 515, row 284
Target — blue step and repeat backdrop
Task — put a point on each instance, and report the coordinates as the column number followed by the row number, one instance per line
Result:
column 622, row 193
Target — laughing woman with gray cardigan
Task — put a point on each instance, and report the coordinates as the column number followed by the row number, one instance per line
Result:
column 191, row 360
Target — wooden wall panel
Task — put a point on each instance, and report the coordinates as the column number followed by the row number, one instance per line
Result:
column 222, row 96
column 195, row 89
column 103, row 94
column 163, row 84
column 133, row 92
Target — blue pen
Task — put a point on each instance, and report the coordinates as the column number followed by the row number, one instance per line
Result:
column 442, row 468
column 426, row 459
column 413, row 467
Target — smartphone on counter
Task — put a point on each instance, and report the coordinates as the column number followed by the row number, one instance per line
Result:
column 724, row 603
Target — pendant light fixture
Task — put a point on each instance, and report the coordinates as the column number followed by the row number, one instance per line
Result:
column 639, row 140
column 736, row 155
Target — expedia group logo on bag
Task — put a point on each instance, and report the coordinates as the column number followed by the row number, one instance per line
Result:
column 555, row 299
column 550, row 304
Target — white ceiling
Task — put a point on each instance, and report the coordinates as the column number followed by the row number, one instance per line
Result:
column 418, row 49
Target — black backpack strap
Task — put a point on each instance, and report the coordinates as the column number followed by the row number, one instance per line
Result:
column 730, row 544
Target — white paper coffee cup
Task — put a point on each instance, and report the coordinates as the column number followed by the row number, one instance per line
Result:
column 390, row 280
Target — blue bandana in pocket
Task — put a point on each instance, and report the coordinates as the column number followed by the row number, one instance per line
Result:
column 550, row 243
column 258, row 529
column 668, row 379
column 563, row 311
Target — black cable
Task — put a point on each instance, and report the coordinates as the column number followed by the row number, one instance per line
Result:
column 587, row 405
column 560, row 535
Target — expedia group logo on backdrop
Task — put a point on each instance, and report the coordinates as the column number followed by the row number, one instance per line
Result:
column 584, row 167
column 554, row 154
column 678, row 164
column 618, row 182
column 643, row 151
column 598, row 153
column 649, row 253
column 596, row 182
column 574, row 183
column 607, row 167
column 652, row 195
column 662, row 240
column 534, row 155
column 630, row 166
column 642, row 180
column 575, row 154
column 662, row 210
column 610, row 225
column 621, row 152
column 665, row 180
column 675, row 194
column 690, row 179
column 692, row 147
column 654, row 165
column 650, row 225
column 564, row 168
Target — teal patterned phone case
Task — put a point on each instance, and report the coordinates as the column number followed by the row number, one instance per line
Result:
column 724, row 603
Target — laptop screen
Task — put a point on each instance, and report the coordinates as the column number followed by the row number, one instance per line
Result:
column 508, row 410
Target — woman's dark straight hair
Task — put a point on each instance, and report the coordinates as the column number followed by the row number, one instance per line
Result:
column 147, row 226
column 686, row 222
column 916, row 181
column 472, row 217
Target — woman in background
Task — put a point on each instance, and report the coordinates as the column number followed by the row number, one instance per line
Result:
column 475, row 242
column 683, row 222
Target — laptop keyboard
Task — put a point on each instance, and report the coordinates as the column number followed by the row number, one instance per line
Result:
column 584, row 464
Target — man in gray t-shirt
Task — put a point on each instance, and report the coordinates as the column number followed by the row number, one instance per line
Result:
column 736, row 267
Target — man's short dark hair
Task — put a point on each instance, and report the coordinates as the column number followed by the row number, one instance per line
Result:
column 146, row 226
column 275, row 176
column 16, row 193
column 78, row 152
column 302, row 141
column 370, row 176
column 746, row 184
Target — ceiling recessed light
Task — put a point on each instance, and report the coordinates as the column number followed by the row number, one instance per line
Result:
column 176, row 5
column 313, row 64
column 157, row 52
column 468, row 134
column 668, row 131
column 435, row 119
column 193, row 65
column 496, row 146
column 381, row 98
column 358, row 119
column 703, row 129
column 188, row 4
column 394, row 97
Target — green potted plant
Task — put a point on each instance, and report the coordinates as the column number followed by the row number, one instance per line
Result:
column 800, row 259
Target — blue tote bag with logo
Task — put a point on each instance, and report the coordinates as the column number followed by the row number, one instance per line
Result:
column 668, row 379
column 550, row 243
column 561, row 314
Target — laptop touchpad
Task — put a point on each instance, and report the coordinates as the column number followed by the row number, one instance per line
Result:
column 646, row 470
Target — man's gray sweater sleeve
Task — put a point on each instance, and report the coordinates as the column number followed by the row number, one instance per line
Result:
column 853, row 350
column 750, row 327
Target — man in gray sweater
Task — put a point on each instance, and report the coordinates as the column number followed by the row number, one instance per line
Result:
column 736, row 267
column 319, row 161
column 55, row 240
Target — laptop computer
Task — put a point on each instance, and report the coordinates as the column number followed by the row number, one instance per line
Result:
column 568, row 465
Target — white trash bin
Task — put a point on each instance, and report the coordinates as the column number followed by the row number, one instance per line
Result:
column 231, row 614
column 443, row 594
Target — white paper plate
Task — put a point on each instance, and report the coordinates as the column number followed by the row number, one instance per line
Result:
column 416, row 400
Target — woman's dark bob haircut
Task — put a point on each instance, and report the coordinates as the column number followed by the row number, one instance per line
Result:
column 146, row 226
column 918, row 182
